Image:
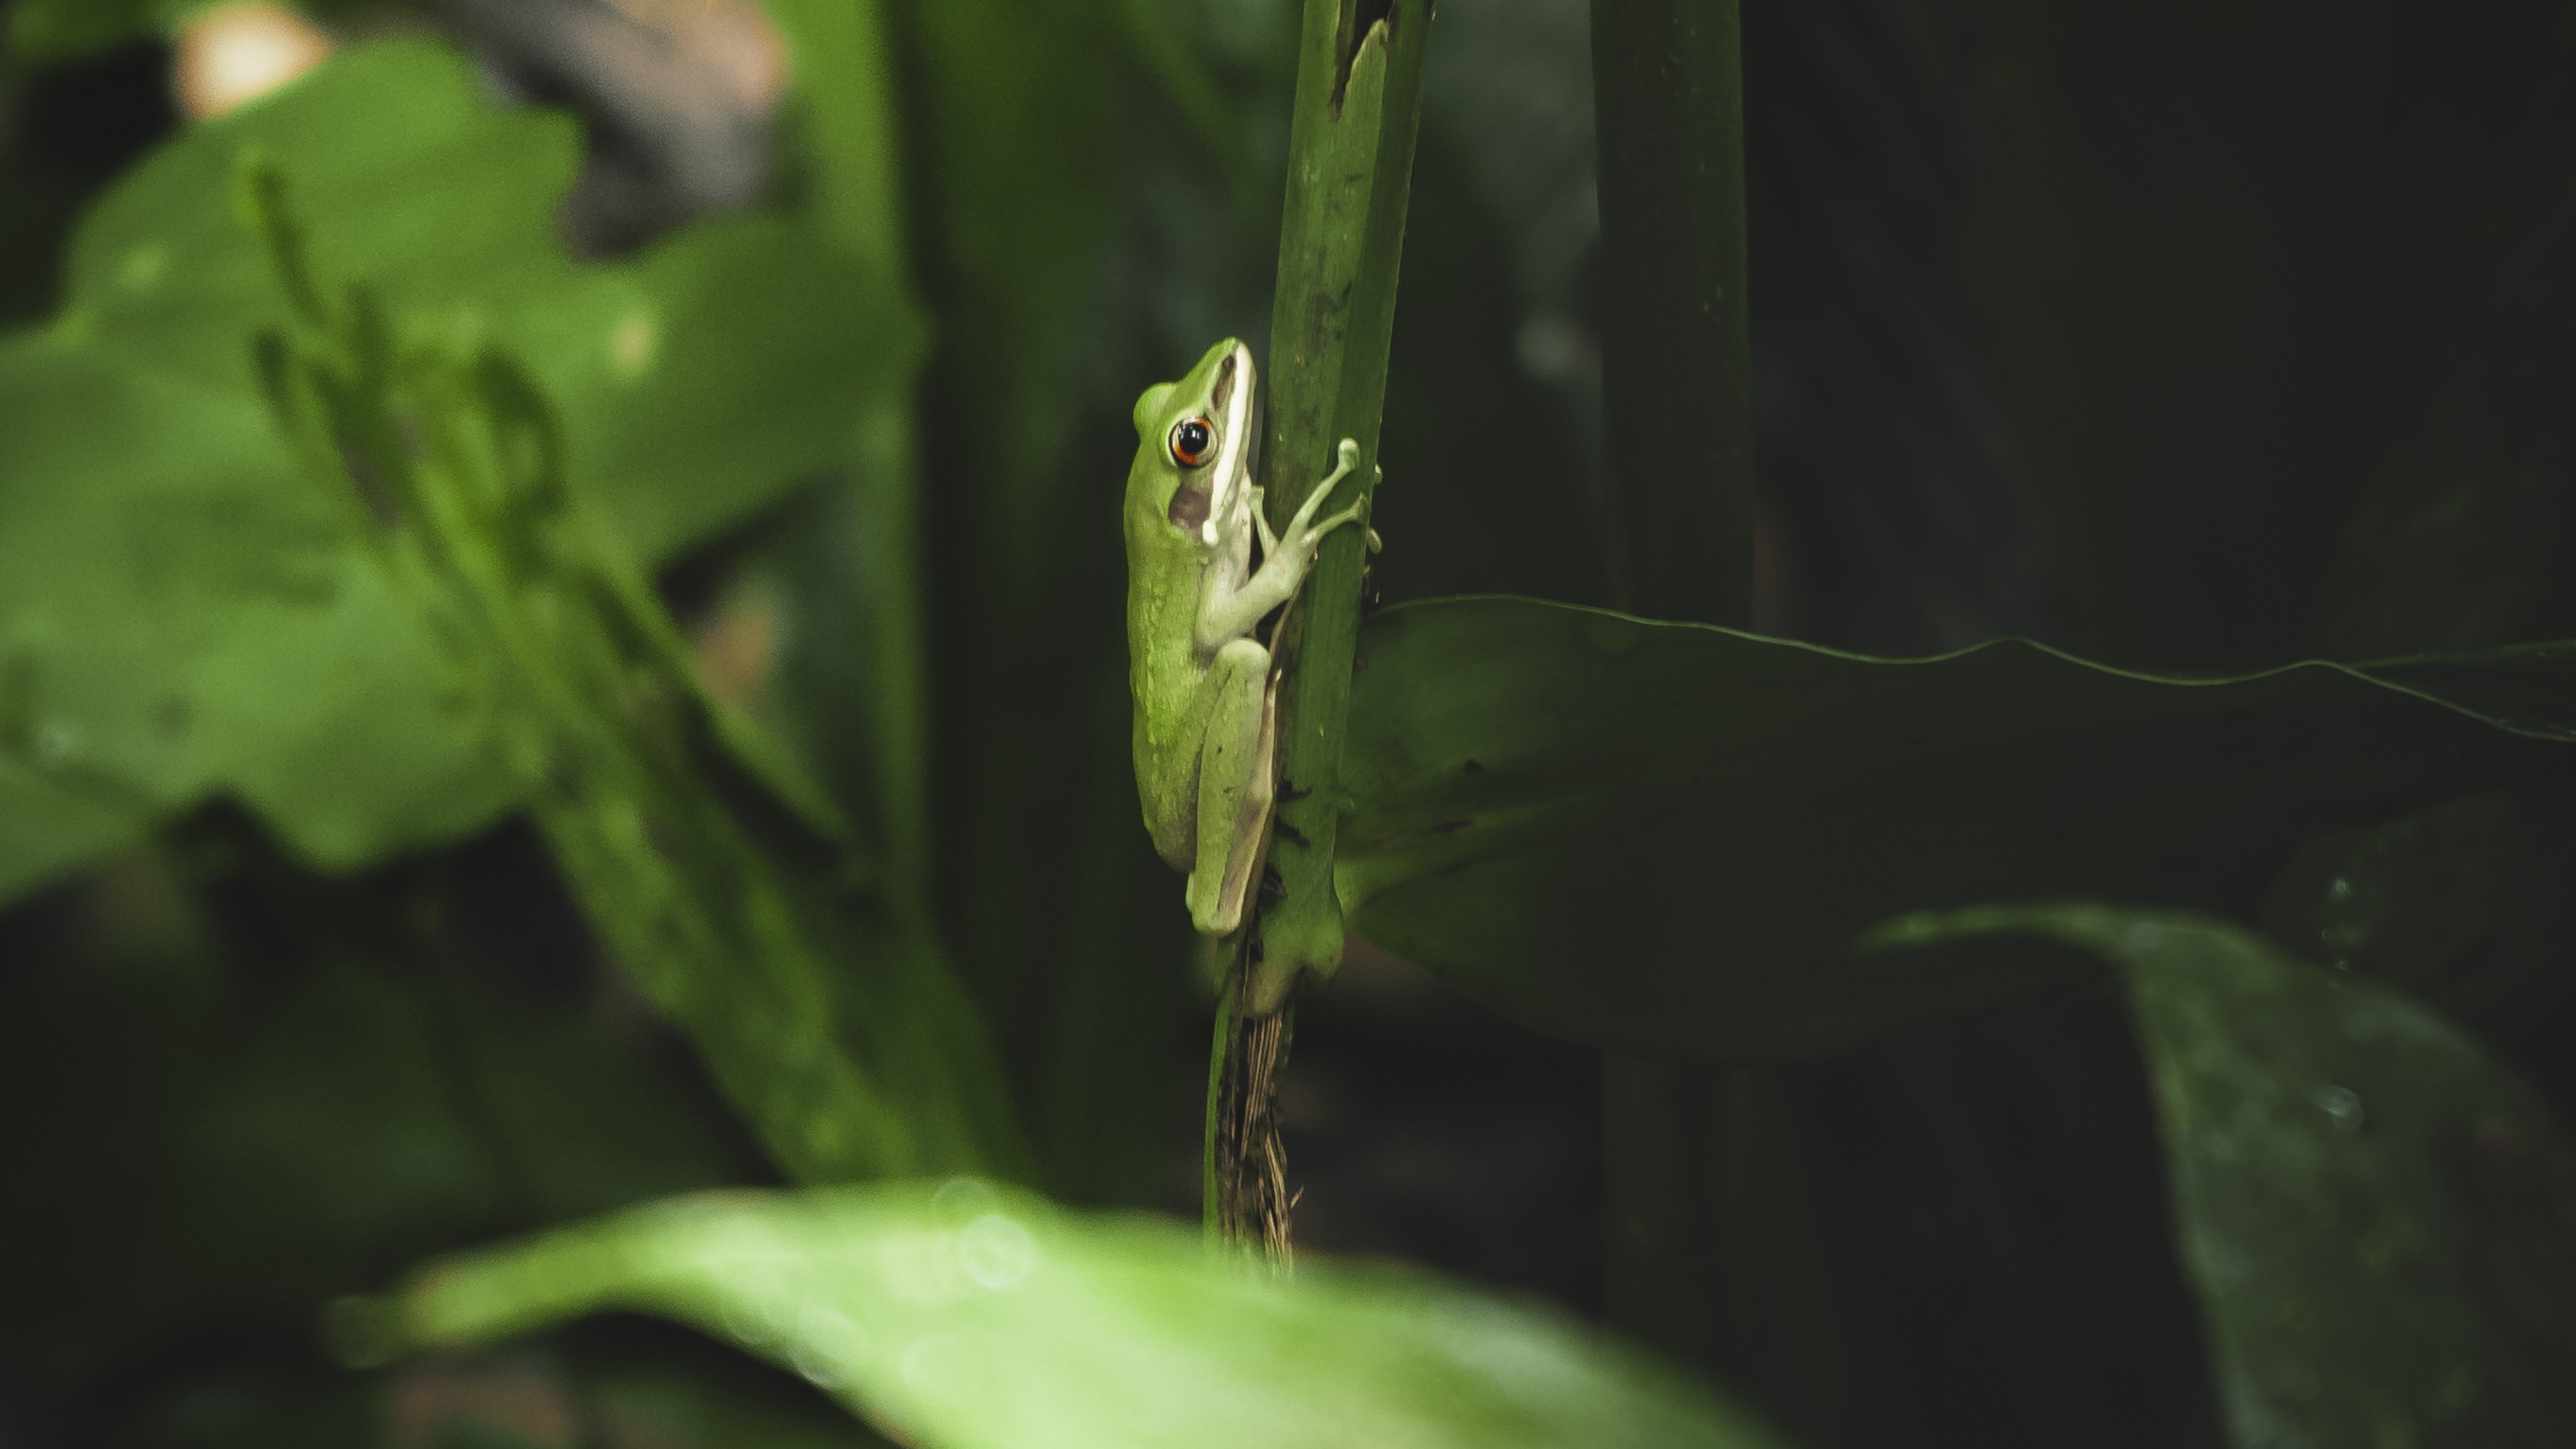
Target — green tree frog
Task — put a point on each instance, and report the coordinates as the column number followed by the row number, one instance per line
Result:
column 1206, row 701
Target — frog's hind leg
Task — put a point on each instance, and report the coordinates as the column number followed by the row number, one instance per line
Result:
column 1252, row 817
column 1237, row 767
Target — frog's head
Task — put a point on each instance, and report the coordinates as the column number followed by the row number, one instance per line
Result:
column 1195, row 440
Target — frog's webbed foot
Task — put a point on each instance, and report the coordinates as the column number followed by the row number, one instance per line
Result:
column 1310, row 530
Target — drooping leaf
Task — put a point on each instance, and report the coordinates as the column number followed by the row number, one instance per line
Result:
column 959, row 1316
column 1661, row 836
column 2379, row 1220
column 180, row 612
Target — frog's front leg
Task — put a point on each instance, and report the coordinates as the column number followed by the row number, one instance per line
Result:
column 1235, row 785
column 1231, row 612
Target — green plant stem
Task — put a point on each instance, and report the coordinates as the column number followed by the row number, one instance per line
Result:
column 1668, row 101
column 1341, row 241
column 1350, row 171
column 1210, row 1213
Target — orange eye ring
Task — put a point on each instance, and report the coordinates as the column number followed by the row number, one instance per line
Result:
column 1193, row 442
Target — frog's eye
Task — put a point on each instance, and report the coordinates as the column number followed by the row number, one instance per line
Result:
column 1192, row 441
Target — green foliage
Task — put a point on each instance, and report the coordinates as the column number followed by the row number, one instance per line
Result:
column 580, row 687
column 2380, row 1221
column 1662, row 837
column 963, row 1315
column 181, row 613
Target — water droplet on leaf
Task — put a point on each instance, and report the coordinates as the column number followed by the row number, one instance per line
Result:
column 2342, row 1105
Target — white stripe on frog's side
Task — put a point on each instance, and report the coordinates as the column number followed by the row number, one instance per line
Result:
column 1237, row 435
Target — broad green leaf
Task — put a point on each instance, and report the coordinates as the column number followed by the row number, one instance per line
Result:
column 2379, row 1220
column 180, row 611
column 652, row 794
column 177, row 616
column 1660, row 836
column 965, row 1316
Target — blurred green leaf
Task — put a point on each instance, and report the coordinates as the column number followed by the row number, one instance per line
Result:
column 966, row 1316
column 1661, row 836
column 180, row 612
column 2379, row 1220
column 844, row 132
column 700, row 853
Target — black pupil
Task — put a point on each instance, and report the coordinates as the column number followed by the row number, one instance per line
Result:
column 1193, row 440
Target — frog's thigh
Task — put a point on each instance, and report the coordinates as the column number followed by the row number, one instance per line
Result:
column 1234, row 779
